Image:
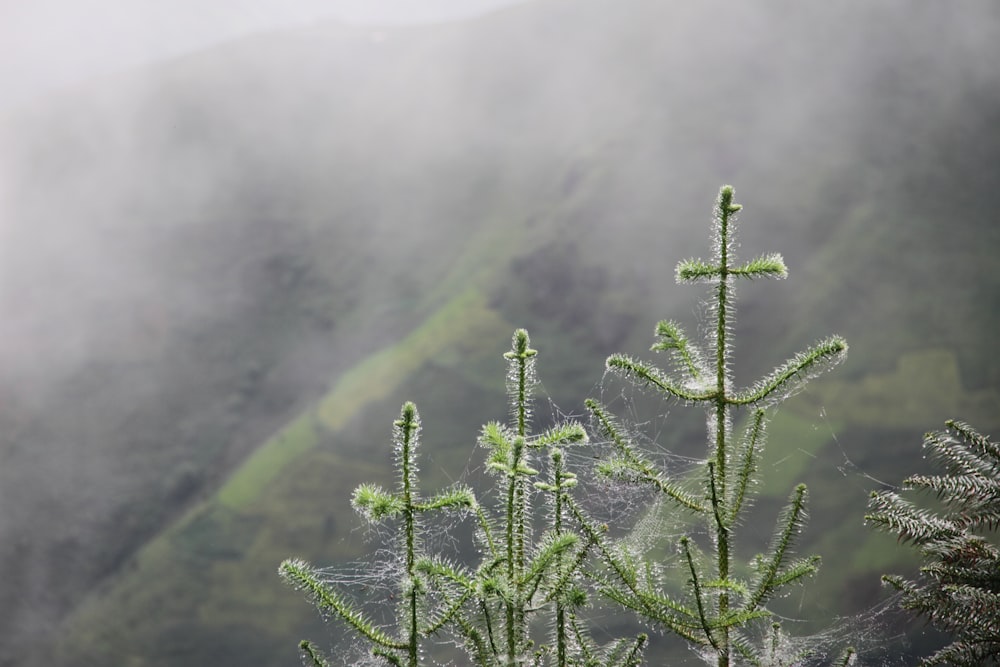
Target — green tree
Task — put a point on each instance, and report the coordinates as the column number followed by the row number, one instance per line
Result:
column 488, row 607
column 717, row 610
column 416, row 616
column 958, row 588
column 491, row 606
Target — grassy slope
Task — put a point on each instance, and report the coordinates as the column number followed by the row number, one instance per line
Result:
column 185, row 578
column 260, row 516
column 377, row 377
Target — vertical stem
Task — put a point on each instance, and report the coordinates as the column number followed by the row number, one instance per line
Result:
column 413, row 639
column 517, row 500
column 511, row 569
column 522, row 407
column 515, row 551
column 557, row 461
column 409, row 513
column 719, row 473
column 519, row 389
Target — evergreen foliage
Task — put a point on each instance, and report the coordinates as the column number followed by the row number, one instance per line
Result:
column 958, row 589
column 489, row 607
column 406, row 506
column 719, row 611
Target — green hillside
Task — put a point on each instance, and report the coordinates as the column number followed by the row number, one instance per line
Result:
column 222, row 275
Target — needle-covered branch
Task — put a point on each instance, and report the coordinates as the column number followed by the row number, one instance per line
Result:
column 686, row 355
column 787, row 378
column 773, row 574
column 302, row 577
column 765, row 266
column 644, row 374
column 958, row 589
column 748, row 458
column 310, row 653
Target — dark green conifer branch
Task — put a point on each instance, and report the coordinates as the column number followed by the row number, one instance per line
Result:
column 549, row 554
column 792, row 374
column 435, row 624
column 958, row 590
column 459, row 498
column 765, row 266
column 630, row 465
column 636, row 592
column 625, row 653
column 697, row 271
column 687, row 356
column 303, row 577
column 772, row 574
column 707, row 622
column 646, row 374
column 309, row 651
column 747, row 458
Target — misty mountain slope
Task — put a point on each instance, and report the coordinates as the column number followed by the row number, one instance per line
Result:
column 196, row 564
column 170, row 318
column 199, row 252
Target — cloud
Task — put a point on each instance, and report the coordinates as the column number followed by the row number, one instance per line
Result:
column 50, row 44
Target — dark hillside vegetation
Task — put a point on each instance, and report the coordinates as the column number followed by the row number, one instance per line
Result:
column 196, row 256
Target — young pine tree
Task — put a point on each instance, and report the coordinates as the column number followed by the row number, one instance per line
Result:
column 488, row 607
column 718, row 611
column 520, row 577
column 958, row 589
column 523, row 603
column 418, row 612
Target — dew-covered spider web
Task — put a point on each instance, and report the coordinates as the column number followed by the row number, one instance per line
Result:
column 673, row 437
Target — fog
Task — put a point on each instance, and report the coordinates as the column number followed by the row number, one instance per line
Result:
column 209, row 214
column 51, row 44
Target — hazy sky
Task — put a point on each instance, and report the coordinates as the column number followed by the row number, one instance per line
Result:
column 46, row 44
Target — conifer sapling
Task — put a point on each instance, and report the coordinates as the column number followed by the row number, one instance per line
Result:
column 718, row 609
column 958, row 589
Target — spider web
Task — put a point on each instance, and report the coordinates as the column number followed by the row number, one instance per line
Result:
column 652, row 525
